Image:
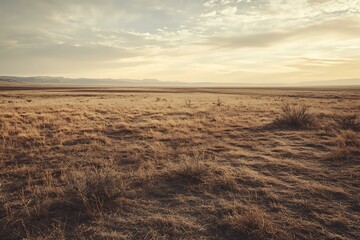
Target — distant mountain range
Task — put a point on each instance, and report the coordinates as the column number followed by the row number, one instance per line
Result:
column 11, row 80
column 338, row 82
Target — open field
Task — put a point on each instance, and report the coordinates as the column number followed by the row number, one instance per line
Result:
column 184, row 163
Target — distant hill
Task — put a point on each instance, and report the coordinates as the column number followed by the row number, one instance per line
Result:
column 76, row 81
column 339, row 82
column 9, row 80
column 111, row 82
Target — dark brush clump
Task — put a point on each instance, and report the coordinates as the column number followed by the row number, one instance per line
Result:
column 292, row 116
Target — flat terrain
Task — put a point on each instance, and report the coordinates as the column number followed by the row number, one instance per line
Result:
column 132, row 163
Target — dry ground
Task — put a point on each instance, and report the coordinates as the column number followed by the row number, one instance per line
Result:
column 178, row 164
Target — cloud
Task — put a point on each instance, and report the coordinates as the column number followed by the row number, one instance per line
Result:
column 346, row 28
column 246, row 41
column 177, row 40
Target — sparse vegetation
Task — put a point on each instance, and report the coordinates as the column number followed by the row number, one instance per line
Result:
column 193, row 170
column 92, row 164
column 347, row 145
column 295, row 116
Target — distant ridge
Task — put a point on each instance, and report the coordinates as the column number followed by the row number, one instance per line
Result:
column 353, row 81
column 6, row 80
column 113, row 82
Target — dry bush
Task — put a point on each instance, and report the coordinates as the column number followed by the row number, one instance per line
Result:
column 93, row 189
column 295, row 116
column 347, row 121
column 348, row 145
column 249, row 225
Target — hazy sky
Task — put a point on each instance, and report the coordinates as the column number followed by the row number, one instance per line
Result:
column 185, row 40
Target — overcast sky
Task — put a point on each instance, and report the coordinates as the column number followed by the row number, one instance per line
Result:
column 185, row 40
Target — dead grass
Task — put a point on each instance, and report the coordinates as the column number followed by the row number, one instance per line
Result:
column 100, row 164
column 293, row 116
column 93, row 189
column 196, row 170
column 250, row 224
column 347, row 121
column 78, row 197
column 347, row 146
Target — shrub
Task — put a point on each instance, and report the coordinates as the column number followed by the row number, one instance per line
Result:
column 295, row 116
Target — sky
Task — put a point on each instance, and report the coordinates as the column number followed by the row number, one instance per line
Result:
column 250, row 41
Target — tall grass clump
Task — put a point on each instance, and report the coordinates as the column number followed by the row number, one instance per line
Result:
column 93, row 189
column 295, row 117
column 251, row 224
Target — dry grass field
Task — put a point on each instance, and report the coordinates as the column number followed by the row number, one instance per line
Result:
column 179, row 163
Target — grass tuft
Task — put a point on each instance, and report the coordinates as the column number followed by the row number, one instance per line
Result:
column 348, row 145
column 251, row 224
column 295, row 117
column 93, row 189
column 195, row 170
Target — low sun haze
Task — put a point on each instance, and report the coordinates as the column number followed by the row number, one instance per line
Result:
column 237, row 41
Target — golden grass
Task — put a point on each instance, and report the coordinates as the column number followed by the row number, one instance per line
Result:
column 295, row 117
column 347, row 146
column 347, row 121
column 250, row 224
column 179, row 164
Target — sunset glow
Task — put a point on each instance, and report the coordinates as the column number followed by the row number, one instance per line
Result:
column 259, row 41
